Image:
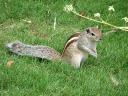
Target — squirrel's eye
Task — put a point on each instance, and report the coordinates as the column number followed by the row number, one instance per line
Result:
column 87, row 30
column 92, row 34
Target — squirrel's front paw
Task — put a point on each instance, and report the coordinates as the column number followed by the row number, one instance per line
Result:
column 94, row 54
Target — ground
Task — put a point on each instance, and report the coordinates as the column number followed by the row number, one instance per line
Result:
column 31, row 21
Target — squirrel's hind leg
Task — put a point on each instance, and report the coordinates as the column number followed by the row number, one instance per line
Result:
column 76, row 60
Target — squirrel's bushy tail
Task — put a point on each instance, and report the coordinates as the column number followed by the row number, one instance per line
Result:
column 43, row 52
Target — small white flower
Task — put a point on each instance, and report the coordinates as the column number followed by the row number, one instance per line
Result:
column 111, row 8
column 68, row 8
column 125, row 19
column 97, row 15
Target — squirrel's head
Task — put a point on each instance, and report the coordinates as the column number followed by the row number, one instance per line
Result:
column 93, row 33
column 14, row 47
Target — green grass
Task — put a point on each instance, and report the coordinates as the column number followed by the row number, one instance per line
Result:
column 32, row 77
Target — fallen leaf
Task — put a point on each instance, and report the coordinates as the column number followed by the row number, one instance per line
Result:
column 9, row 63
column 114, row 80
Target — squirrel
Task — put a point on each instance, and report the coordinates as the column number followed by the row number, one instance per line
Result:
column 76, row 49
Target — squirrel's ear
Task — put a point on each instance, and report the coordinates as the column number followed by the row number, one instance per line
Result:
column 87, row 30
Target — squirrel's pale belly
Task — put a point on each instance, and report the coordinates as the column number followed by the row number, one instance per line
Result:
column 73, row 55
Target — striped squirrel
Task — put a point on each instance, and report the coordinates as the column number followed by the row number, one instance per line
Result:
column 76, row 49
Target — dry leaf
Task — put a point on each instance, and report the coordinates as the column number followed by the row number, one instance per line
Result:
column 9, row 63
column 114, row 80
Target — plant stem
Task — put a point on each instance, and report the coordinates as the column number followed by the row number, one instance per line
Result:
column 102, row 22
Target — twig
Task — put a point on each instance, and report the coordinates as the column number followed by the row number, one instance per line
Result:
column 108, row 32
column 102, row 22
